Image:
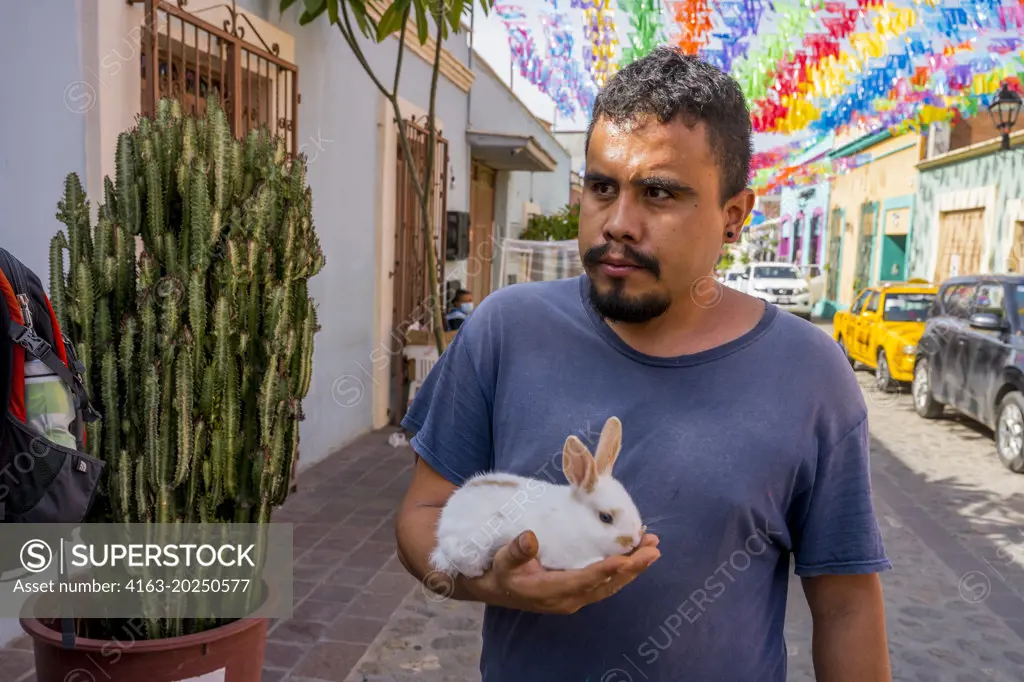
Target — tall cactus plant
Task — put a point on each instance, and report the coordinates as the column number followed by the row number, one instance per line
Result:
column 187, row 302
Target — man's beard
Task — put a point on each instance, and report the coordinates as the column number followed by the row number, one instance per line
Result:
column 615, row 304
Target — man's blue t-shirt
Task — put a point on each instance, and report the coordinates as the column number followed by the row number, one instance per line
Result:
column 738, row 457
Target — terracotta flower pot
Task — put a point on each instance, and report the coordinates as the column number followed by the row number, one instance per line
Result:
column 231, row 653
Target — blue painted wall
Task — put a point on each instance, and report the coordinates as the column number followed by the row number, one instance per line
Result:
column 805, row 201
column 801, row 204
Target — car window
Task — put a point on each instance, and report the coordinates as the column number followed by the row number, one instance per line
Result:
column 907, row 307
column 776, row 272
column 957, row 300
column 990, row 299
column 872, row 305
column 859, row 303
column 1019, row 300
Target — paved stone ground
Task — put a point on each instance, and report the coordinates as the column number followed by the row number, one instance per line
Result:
column 952, row 517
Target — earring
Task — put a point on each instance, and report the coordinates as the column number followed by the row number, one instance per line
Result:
column 729, row 235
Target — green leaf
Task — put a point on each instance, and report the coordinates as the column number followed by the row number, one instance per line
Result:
column 314, row 8
column 422, row 25
column 391, row 20
column 285, row 4
column 363, row 20
column 455, row 13
column 332, row 11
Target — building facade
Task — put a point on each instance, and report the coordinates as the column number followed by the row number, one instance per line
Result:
column 871, row 213
column 518, row 169
column 496, row 161
column 969, row 217
column 802, row 214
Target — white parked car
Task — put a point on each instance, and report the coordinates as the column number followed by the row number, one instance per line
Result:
column 815, row 276
column 733, row 279
column 780, row 284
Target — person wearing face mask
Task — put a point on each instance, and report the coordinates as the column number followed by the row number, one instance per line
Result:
column 462, row 306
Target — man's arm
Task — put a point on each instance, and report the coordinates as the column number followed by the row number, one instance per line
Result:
column 416, row 529
column 849, row 642
column 839, row 552
column 516, row 579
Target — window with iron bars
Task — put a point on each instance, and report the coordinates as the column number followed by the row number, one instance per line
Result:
column 197, row 60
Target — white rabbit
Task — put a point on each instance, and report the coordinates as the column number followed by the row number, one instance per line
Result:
column 576, row 525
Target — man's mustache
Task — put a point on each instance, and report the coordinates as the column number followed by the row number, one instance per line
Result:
column 592, row 258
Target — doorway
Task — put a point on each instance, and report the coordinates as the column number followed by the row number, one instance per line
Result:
column 894, row 258
column 481, row 231
column 960, row 240
column 865, row 244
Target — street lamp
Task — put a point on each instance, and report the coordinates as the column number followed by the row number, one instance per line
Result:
column 1003, row 110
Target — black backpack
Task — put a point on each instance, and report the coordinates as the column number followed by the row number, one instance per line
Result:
column 40, row 481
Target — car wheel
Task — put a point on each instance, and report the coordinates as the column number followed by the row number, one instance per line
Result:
column 924, row 403
column 846, row 352
column 883, row 378
column 1010, row 432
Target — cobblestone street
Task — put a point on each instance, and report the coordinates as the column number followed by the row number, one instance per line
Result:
column 952, row 517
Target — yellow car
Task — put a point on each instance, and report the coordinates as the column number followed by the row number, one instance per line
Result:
column 882, row 327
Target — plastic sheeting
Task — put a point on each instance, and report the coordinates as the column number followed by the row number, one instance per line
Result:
column 524, row 260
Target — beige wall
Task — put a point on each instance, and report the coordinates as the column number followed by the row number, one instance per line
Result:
column 891, row 176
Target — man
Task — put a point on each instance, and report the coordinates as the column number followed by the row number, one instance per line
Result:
column 462, row 306
column 744, row 432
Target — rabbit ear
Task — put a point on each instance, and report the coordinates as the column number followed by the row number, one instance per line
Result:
column 608, row 446
column 579, row 465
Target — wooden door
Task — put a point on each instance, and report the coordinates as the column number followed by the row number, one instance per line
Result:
column 1015, row 262
column 835, row 240
column 481, row 232
column 960, row 243
column 865, row 244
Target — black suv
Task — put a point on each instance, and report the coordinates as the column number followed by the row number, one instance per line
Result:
column 971, row 358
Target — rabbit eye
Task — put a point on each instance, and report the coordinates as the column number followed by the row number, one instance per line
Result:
column 605, row 517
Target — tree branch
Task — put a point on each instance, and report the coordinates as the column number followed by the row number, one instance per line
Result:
column 432, row 128
column 401, row 48
column 350, row 37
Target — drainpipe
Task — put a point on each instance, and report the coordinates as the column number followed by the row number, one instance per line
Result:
column 469, row 95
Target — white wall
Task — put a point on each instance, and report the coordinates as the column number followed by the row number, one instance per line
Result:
column 42, row 123
column 341, row 106
column 574, row 141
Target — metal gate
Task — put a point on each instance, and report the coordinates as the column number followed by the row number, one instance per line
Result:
column 413, row 300
column 197, row 60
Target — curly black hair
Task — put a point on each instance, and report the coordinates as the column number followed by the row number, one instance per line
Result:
column 668, row 83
